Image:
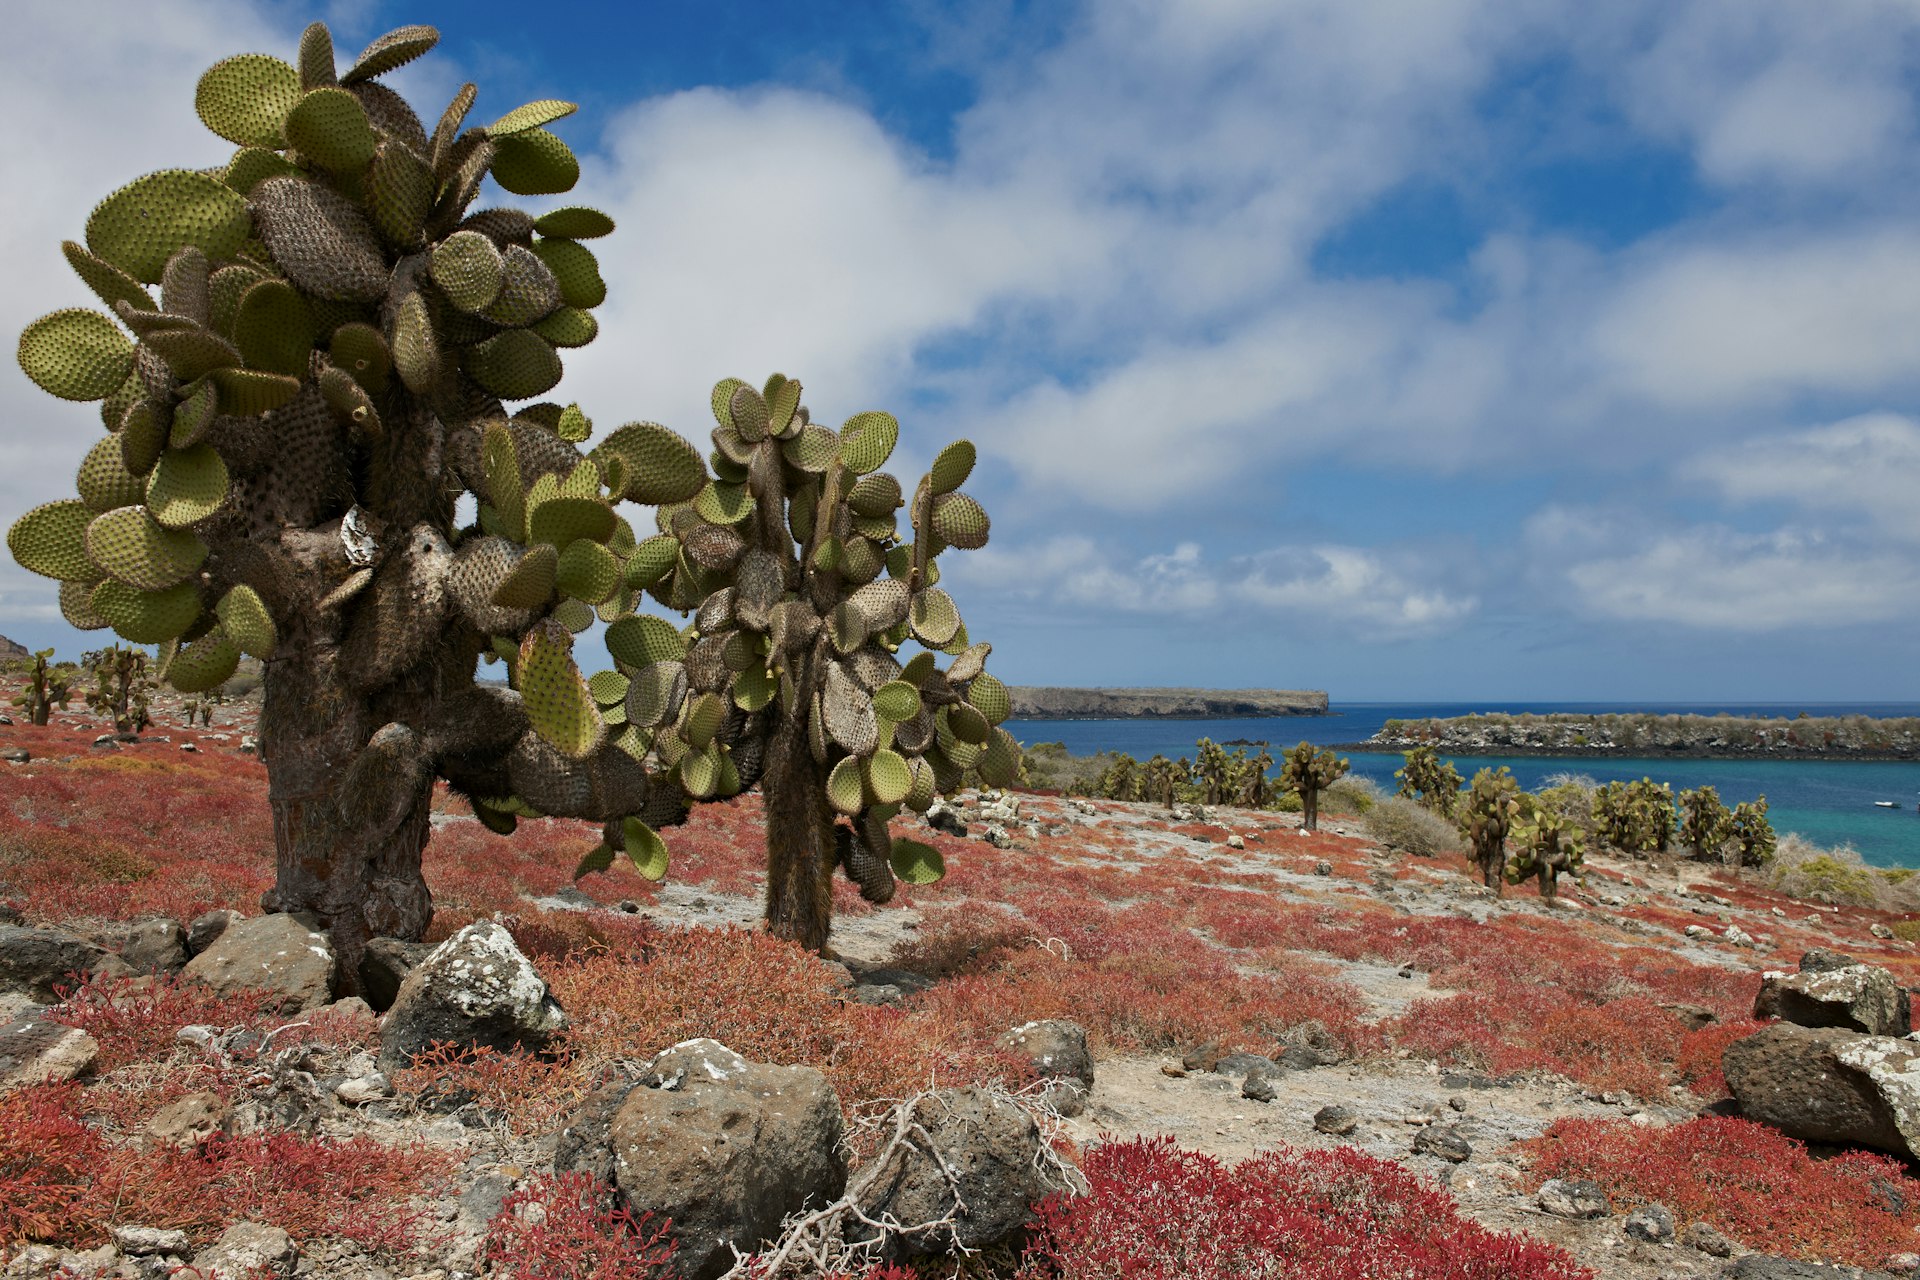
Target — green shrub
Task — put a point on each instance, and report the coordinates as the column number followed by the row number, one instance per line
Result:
column 1410, row 827
column 1837, row 877
column 1352, row 796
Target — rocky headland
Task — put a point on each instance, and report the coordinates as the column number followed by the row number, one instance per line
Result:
column 1048, row 702
column 1717, row 737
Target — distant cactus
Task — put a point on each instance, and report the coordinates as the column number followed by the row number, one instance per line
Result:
column 1252, row 788
column 122, row 687
column 1705, row 823
column 1213, row 769
column 48, row 686
column 1487, row 814
column 1548, row 846
column 1751, row 835
column 1635, row 817
column 292, row 421
column 1161, row 780
column 1309, row 772
column 1429, row 781
column 1122, row 779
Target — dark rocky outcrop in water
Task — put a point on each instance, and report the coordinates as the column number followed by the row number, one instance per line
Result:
column 1037, row 702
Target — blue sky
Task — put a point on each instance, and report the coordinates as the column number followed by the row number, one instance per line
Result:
column 1402, row 348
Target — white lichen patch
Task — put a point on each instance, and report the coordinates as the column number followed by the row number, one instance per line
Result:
column 1893, row 1066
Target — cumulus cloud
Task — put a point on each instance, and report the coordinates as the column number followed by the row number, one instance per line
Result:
column 1316, row 587
column 1866, row 467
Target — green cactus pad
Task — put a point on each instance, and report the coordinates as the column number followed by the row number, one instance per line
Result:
column 968, row 724
column 875, row 495
column 576, row 427
column 104, row 481
column 849, row 627
column 193, row 417
column 108, row 281
column 861, row 560
column 183, row 285
column 661, row 467
column 362, row 352
column 845, row 790
column 147, row 617
column 960, row 521
column 813, row 450
column 897, row 700
column 245, row 392
column 919, row 670
column 143, row 436
column 252, row 166
column 143, row 224
column 350, row 403
column 528, row 290
column 205, row 663
column 561, row 520
column 76, row 606
column 245, row 617
column 999, row 765
column 274, row 329
column 530, row 116
column 559, row 706
column 416, row 350
column 534, row 163
column 569, row 327
column 643, row 639
column 51, row 540
column 400, row 191
column 644, row 849
column 747, row 410
column 990, row 698
column 187, row 486
column 135, row 549
column 921, row 794
column 782, row 395
column 720, row 503
column 587, row 571
column 573, row 615
column 227, row 287
column 705, row 715
column 755, row 688
column 885, row 603
column 191, row 353
column 952, row 467
column 574, row 223
column 515, row 365
column 330, row 127
column 529, row 585
column 608, row 687
column 656, row 694
column 700, row 774
column 916, row 863
column 246, row 99
column 316, row 58
column 577, row 271
column 867, row 440
column 76, row 354
column 935, row 619
column 887, row 777
column 467, row 267
column 395, row 49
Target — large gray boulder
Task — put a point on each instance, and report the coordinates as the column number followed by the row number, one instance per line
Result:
column 154, row 946
column 1858, row 997
column 1827, row 1084
column 35, row 1051
column 248, row 1251
column 984, row 1146
column 36, row 961
column 475, row 990
column 1757, row 1266
column 275, row 953
column 727, row 1149
column 1057, row 1051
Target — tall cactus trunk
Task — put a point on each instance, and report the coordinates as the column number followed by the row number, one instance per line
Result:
column 1309, row 809
column 348, row 828
column 799, row 840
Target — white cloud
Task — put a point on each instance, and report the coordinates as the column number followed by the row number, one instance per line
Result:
column 1868, row 466
column 1303, row 588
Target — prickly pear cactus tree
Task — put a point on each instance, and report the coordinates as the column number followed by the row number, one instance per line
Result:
column 326, row 370
column 1252, row 789
column 1706, row 824
column 1309, row 772
column 1429, row 781
column 47, row 687
column 1161, row 781
column 1488, row 812
column 1750, row 834
column 122, row 687
column 1548, row 844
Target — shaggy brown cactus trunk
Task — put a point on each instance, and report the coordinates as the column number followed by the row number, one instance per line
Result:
column 348, row 825
column 1309, row 809
column 800, row 844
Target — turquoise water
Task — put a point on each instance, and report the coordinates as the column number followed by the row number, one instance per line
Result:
column 1828, row 802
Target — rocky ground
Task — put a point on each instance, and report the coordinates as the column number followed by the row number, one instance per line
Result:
column 1397, row 938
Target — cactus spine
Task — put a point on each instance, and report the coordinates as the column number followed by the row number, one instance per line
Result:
column 327, row 367
column 1309, row 772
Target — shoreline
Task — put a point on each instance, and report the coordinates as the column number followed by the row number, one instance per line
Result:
column 1402, row 746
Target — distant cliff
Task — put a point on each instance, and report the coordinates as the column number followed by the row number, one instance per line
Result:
column 1050, row 703
column 1723, row 737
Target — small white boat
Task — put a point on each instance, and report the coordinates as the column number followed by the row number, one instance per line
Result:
column 1886, row 804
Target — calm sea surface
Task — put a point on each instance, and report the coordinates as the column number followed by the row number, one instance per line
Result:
column 1830, row 803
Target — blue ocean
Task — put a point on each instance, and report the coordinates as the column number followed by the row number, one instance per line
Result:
column 1828, row 802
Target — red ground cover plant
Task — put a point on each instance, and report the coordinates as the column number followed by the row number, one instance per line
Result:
column 526, row 1089
column 566, row 1227
column 138, row 1019
column 1155, row 1212
column 47, row 1155
column 1752, row 1183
